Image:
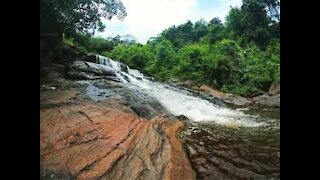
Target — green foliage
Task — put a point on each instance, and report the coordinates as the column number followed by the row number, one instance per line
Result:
column 241, row 56
column 93, row 44
column 256, row 70
column 192, row 59
column 77, row 16
column 215, row 32
column 135, row 55
column 256, row 21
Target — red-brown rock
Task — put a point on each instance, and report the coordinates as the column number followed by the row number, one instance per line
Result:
column 230, row 98
column 106, row 140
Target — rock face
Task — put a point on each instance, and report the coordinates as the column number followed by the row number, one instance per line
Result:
column 216, row 154
column 229, row 98
column 267, row 100
column 106, row 140
column 264, row 99
column 274, row 88
column 272, row 98
column 92, row 68
column 98, row 128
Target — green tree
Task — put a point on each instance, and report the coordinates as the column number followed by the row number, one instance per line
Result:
column 192, row 62
column 77, row 16
column 215, row 31
column 255, row 21
column 199, row 30
column 135, row 55
column 180, row 35
column 164, row 58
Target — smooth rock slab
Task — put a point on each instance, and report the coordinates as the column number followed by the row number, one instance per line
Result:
column 103, row 140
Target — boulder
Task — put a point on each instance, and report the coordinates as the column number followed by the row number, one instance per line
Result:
column 98, row 69
column 266, row 100
column 275, row 100
column 237, row 100
column 226, row 97
column 262, row 97
column 274, row 88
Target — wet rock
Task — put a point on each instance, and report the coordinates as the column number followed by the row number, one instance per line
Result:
column 192, row 152
column 213, row 92
column 144, row 105
column 183, row 118
column 200, row 160
column 82, row 75
column 229, row 98
column 262, row 97
column 237, row 100
column 123, row 67
column 274, row 101
column 96, row 69
column 202, row 150
column 181, row 83
column 144, row 110
column 98, row 94
column 221, row 153
column 266, row 100
column 202, row 169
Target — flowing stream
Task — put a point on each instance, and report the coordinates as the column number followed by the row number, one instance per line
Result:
column 222, row 143
column 178, row 103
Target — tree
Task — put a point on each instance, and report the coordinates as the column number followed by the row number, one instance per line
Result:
column 192, row 59
column 180, row 35
column 215, row 22
column 215, row 31
column 77, row 16
column 93, row 44
column 165, row 55
column 134, row 55
column 255, row 21
column 199, row 30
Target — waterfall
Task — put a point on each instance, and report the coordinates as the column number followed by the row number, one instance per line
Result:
column 177, row 102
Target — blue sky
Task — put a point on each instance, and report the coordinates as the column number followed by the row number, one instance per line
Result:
column 148, row 18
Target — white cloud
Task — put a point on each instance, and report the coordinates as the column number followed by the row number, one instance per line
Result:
column 147, row 18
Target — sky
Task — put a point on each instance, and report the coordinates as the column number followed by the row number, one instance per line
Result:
column 148, row 18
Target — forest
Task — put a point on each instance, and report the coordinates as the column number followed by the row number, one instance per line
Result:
column 240, row 55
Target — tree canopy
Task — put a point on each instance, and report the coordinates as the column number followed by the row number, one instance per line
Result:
column 241, row 55
column 78, row 16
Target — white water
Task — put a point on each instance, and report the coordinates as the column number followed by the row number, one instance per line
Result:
column 179, row 103
column 108, row 62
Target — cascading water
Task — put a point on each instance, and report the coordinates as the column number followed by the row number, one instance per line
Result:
column 215, row 152
column 179, row 103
